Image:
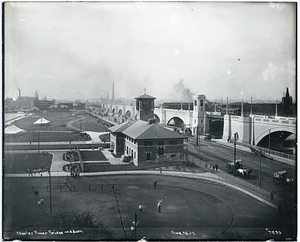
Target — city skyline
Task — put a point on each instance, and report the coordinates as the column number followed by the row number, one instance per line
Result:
column 70, row 50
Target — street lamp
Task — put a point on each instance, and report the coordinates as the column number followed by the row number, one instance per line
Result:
column 259, row 169
column 234, row 154
column 50, row 190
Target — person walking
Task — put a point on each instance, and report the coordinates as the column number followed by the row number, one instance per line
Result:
column 155, row 183
column 272, row 195
column 141, row 208
column 159, row 205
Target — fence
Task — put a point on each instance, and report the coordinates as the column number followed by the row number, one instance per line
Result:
column 266, row 151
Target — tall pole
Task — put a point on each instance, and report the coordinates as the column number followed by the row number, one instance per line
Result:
column 269, row 141
column 50, row 190
column 234, row 154
column 197, row 136
column 234, row 150
column 259, row 169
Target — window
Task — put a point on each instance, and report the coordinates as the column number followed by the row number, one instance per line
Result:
column 148, row 143
column 194, row 121
column 195, row 103
column 202, row 121
column 161, row 142
column 173, row 142
column 201, row 103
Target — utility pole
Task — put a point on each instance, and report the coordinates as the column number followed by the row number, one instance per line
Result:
column 50, row 190
column 259, row 169
column 197, row 136
column 234, row 154
column 269, row 141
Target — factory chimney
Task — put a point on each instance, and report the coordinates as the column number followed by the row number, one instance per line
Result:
column 113, row 92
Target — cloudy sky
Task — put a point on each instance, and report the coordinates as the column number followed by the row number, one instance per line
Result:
column 78, row 49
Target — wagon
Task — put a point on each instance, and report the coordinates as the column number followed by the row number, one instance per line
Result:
column 280, row 177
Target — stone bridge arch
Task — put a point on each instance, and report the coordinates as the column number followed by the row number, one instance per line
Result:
column 120, row 112
column 176, row 122
column 286, row 130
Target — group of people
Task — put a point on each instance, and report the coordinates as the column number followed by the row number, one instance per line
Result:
column 158, row 206
column 158, row 203
column 214, row 167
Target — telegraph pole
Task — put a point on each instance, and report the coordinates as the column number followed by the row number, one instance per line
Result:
column 259, row 169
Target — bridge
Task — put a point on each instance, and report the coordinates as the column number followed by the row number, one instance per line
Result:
column 251, row 129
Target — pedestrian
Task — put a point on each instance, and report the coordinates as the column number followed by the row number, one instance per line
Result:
column 160, row 170
column 154, row 184
column 70, row 187
column 272, row 195
column 42, row 202
column 65, row 182
column 39, row 203
column 159, row 205
column 30, row 173
column 140, row 208
column 67, row 177
column 216, row 166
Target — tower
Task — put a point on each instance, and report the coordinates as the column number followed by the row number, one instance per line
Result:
column 199, row 114
column 145, row 107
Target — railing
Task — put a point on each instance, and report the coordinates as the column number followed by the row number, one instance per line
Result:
column 266, row 151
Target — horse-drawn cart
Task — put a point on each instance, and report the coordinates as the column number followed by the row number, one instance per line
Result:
column 280, row 177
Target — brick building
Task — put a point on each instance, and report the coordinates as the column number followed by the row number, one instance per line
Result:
column 143, row 139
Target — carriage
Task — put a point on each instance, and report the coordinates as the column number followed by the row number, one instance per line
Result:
column 245, row 172
column 236, row 167
column 280, row 177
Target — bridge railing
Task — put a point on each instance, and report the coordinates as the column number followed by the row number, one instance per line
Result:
column 267, row 151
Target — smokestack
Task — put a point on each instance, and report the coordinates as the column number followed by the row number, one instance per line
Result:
column 113, row 92
column 19, row 92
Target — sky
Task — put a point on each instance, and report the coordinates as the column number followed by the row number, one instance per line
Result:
column 170, row 50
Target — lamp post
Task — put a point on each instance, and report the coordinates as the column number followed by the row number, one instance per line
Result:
column 234, row 154
column 50, row 195
column 259, row 169
column 269, row 141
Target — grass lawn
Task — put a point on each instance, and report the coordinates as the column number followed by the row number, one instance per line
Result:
column 19, row 163
column 191, row 209
column 57, row 120
column 92, row 156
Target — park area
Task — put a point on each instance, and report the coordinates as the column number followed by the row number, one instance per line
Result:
column 106, row 207
column 62, row 126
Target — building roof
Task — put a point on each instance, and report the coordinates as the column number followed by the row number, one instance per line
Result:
column 143, row 130
column 145, row 96
column 121, row 127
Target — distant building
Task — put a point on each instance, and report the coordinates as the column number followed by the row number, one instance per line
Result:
column 42, row 104
column 143, row 139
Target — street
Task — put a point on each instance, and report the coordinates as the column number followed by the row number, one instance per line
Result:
column 216, row 152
